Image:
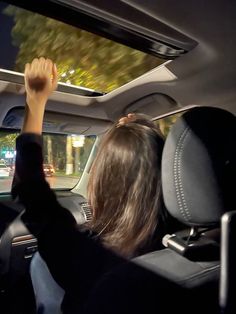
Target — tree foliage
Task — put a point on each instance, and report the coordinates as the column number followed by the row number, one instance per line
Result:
column 8, row 141
column 82, row 58
column 166, row 123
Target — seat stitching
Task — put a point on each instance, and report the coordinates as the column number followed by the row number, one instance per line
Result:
column 177, row 180
column 184, row 204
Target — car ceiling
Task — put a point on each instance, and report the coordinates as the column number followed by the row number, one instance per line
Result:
column 204, row 76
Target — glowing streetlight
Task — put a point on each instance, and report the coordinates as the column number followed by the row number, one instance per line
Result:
column 78, row 140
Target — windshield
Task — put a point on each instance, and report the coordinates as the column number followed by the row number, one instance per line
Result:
column 82, row 58
column 65, row 157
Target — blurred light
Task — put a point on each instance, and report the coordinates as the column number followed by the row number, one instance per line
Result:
column 9, row 154
column 63, row 74
column 78, row 140
column 72, row 71
column 68, row 82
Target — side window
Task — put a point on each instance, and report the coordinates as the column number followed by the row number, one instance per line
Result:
column 165, row 123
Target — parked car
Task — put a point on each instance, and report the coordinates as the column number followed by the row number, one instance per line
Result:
column 11, row 169
column 4, row 171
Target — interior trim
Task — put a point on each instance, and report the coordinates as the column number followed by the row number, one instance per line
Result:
column 29, row 238
column 18, row 78
column 99, row 23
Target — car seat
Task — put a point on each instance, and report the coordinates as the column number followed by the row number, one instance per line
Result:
column 198, row 172
column 198, row 175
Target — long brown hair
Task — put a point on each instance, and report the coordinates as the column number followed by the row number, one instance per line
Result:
column 125, row 186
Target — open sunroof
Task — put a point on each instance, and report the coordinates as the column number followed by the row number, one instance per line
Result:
column 83, row 59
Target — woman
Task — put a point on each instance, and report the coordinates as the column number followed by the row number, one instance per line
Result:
column 124, row 191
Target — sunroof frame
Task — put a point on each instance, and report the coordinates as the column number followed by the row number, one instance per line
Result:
column 62, row 11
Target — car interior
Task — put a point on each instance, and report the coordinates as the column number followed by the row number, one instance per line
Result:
column 188, row 89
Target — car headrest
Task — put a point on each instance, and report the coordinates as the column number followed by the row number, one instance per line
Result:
column 199, row 166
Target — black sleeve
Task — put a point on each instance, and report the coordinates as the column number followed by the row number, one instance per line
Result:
column 30, row 186
column 74, row 259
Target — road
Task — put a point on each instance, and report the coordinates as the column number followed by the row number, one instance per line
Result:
column 56, row 182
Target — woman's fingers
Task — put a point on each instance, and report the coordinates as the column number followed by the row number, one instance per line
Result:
column 41, row 67
column 27, row 68
column 41, row 75
column 129, row 118
column 47, row 66
column 54, row 76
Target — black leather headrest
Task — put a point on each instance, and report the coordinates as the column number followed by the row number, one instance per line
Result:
column 199, row 166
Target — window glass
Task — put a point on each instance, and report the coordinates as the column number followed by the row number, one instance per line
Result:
column 65, row 157
column 82, row 58
column 165, row 123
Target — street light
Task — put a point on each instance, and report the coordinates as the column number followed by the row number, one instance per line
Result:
column 78, row 140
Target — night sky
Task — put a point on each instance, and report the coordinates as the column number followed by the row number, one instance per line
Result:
column 8, row 52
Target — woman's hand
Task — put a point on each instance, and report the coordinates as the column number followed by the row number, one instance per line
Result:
column 131, row 117
column 40, row 82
